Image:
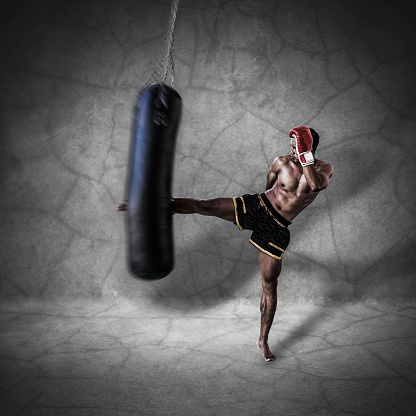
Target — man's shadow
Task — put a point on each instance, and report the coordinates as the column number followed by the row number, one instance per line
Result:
column 211, row 266
column 297, row 333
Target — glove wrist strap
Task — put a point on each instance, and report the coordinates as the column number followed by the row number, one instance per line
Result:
column 306, row 158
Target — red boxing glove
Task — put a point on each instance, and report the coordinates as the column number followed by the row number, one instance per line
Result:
column 304, row 142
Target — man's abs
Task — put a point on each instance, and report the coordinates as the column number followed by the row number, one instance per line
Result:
column 288, row 203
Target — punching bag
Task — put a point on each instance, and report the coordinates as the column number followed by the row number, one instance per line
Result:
column 150, row 235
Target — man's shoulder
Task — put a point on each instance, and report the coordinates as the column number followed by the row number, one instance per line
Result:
column 283, row 160
column 279, row 162
column 324, row 166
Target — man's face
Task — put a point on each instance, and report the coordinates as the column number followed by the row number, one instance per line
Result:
column 293, row 153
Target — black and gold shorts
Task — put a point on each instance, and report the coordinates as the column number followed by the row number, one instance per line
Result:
column 270, row 232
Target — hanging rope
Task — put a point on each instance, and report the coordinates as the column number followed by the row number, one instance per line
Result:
column 166, row 62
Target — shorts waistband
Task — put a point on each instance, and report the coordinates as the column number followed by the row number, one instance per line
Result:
column 272, row 210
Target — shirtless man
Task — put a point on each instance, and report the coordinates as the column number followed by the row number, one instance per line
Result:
column 293, row 182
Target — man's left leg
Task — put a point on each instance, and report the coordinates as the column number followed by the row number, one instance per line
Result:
column 219, row 207
column 270, row 270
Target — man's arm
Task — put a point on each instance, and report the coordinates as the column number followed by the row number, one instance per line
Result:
column 273, row 173
column 318, row 179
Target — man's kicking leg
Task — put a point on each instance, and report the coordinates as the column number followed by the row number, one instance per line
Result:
column 270, row 270
column 219, row 207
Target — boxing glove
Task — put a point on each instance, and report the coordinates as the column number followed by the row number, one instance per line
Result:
column 304, row 142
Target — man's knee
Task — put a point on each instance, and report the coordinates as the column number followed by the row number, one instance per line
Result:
column 270, row 271
column 204, row 206
column 269, row 283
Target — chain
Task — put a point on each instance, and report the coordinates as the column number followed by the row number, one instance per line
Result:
column 166, row 62
column 169, row 40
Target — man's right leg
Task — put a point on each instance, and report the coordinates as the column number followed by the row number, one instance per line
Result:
column 218, row 207
column 270, row 271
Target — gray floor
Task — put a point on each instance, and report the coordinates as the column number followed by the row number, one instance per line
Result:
column 84, row 358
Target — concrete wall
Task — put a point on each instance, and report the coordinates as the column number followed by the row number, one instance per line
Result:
column 247, row 71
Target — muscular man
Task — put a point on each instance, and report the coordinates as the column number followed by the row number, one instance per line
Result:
column 293, row 182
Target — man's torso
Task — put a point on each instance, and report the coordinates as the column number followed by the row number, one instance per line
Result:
column 291, row 194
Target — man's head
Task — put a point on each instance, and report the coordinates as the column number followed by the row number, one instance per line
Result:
column 315, row 137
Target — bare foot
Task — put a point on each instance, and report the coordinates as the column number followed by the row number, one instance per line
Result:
column 264, row 348
column 122, row 206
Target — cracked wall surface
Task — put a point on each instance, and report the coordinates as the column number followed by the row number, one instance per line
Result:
column 247, row 72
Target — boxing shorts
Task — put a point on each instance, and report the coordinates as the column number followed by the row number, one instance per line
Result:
column 270, row 232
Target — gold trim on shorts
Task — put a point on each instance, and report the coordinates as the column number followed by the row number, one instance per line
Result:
column 244, row 204
column 235, row 212
column 275, row 246
column 267, row 252
column 268, row 211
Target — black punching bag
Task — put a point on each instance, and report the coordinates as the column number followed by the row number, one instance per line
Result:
column 150, row 236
